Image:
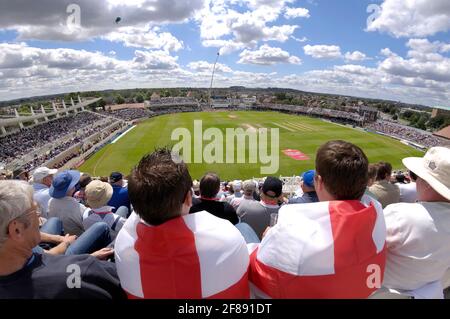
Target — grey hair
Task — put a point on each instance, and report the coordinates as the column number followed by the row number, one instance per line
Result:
column 16, row 197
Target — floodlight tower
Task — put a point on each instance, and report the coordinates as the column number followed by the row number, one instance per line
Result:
column 212, row 79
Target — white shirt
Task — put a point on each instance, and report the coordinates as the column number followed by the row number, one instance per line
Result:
column 408, row 192
column 41, row 196
column 103, row 214
column 70, row 211
column 418, row 244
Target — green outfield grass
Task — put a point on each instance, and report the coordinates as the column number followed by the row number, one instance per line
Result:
column 296, row 132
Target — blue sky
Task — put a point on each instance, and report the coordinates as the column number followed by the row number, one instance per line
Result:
column 313, row 45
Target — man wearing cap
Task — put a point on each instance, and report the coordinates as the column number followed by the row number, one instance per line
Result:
column 120, row 193
column 257, row 214
column 98, row 194
column 307, row 186
column 419, row 233
column 63, row 205
column 249, row 188
column 42, row 180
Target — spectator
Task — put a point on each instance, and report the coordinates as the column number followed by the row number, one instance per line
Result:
column 236, row 186
column 385, row 192
column 257, row 214
column 28, row 275
column 22, row 175
column 164, row 252
column 42, row 180
column 249, row 188
column 372, row 178
column 196, row 188
column 119, row 199
column 340, row 239
column 209, row 188
column 63, row 205
column 408, row 192
column 418, row 250
column 98, row 194
column 80, row 195
column 307, row 186
column 92, row 241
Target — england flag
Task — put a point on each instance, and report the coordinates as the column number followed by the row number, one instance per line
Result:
column 190, row 257
column 321, row 250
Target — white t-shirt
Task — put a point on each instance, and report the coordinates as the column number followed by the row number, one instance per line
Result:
column 418, row 244
column 103, row 214
column 408, row 192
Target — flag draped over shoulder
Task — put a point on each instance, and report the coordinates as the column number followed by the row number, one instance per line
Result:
column 322, row 250
column 193, row 256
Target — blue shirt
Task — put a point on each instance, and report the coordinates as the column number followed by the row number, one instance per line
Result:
column 310, row 197
column 119, row 197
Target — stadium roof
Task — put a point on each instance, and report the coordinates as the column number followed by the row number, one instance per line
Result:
column 445, row 133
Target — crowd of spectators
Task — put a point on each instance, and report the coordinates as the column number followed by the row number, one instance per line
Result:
column 404, row 132
column 82, row 140
column 313, row 111
column 129, row 114
column 18, row 144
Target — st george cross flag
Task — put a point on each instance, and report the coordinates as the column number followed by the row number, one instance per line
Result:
column 189, row 257
column 321, row 250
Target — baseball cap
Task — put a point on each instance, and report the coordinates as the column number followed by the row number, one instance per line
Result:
column 115, row 177
column 98, row 193
column 42, row 172
column 272, row 187
column 62, row 182
column 308, row 178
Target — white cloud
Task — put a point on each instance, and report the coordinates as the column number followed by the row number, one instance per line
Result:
column 412, row 18
column 203, row 66
column 267, row 55
column 386, row 52
column 292, row 13
column 235, row 30
column 323, row 51
column 226, row 46
column 355, row 56
column 147, row 37
column 47, row 19
column 154, row 60
column 423, row 61
column 301, row 40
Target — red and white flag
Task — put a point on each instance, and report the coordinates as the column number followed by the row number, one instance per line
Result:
column 321, row 250
column 190, row 257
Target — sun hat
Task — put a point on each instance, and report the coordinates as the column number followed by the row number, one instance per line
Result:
column 434, row 168
column 63, row 182
column 98, row 193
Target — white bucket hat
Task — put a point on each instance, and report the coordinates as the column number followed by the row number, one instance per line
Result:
column 434, row 168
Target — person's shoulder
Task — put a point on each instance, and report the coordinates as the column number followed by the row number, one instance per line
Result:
column 401, row 207
column 211, row 225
